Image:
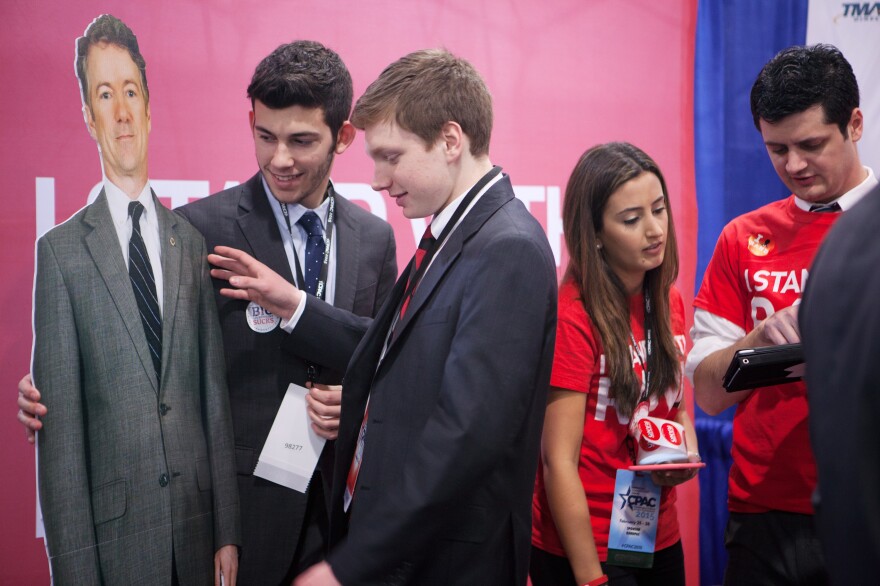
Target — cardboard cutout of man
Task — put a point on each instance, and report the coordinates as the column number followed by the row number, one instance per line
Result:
column 301, row 97
column 137, row 483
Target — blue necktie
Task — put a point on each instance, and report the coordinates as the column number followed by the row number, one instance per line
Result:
column 314, row 250
column 140, row 272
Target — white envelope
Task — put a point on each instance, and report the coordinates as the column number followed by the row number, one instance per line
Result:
column 292, row 449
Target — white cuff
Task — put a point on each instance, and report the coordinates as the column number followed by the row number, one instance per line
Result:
column 288, row 325
column 710, row 334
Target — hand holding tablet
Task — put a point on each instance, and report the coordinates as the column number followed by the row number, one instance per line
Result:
column 761, row 367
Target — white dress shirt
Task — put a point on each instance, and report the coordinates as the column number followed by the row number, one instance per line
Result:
column 118, row 202
column 294, row 240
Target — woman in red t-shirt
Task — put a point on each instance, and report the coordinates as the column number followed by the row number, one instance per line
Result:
column 621, row 243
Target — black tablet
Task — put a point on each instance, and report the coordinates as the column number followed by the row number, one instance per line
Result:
column 762, row 367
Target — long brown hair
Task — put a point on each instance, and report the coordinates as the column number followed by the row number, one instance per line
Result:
column 600, row 171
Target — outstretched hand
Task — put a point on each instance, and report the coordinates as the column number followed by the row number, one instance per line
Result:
column 253, row 281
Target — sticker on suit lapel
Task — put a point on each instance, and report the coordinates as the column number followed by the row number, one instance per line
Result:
column 261, row 320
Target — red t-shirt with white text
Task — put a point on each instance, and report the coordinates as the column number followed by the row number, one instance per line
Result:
column 760, row 266
column 579, row 365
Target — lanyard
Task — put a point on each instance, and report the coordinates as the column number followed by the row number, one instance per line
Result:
column 644, row 360
column 642, row 405
column 438, row 242
column 328, row 240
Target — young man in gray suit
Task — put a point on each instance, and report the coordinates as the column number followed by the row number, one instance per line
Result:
column 301, row 97
column 136, row 469
column 445, row 394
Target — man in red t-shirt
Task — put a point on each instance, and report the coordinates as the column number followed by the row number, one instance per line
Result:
column 805, row 103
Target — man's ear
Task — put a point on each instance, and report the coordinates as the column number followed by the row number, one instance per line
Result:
column 251, row 119
column 856, row 125
column 89, row 120
column 453, row 140
column 345, row 137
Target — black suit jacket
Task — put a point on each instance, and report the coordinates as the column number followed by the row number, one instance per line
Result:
column 840, row 325
column 456, row 409
column 261, row 366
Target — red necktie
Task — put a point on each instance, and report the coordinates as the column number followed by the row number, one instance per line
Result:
column 351, row 480
column 424, row 244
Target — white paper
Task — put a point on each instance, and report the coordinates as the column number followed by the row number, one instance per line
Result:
column 292, row 449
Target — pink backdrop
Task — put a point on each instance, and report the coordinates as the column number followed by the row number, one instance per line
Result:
column 564, row 75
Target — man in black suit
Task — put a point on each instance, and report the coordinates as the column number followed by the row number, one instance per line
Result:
column 444, row 396
column 301, row 97
column 840, row 321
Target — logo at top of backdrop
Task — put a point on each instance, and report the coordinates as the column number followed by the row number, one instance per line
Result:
column 860, row 11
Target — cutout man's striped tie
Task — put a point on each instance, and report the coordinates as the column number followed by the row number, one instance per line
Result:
column 140, row 271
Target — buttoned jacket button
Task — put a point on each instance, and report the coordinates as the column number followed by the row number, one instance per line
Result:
column 163, row 480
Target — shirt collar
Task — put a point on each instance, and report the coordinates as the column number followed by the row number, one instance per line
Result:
column 848, row 199
column 296, row 210
column 118, row 202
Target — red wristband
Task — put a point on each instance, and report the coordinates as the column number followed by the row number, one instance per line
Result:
column 600, row 581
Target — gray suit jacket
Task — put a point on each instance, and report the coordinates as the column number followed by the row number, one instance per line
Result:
column 262, row 365
column 130, row 467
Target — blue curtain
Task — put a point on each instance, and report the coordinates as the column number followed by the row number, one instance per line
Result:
column 733, row 175
column 733, row 172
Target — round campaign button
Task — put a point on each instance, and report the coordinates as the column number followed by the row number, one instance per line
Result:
column 261, row 320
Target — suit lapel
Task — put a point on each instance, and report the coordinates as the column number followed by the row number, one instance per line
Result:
column 491, row 202
column 347, row 235
column 359, row 377
column 172, row 257
column 366, row 356
column 103, row 245
column 259, row 228
column 365, row 360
